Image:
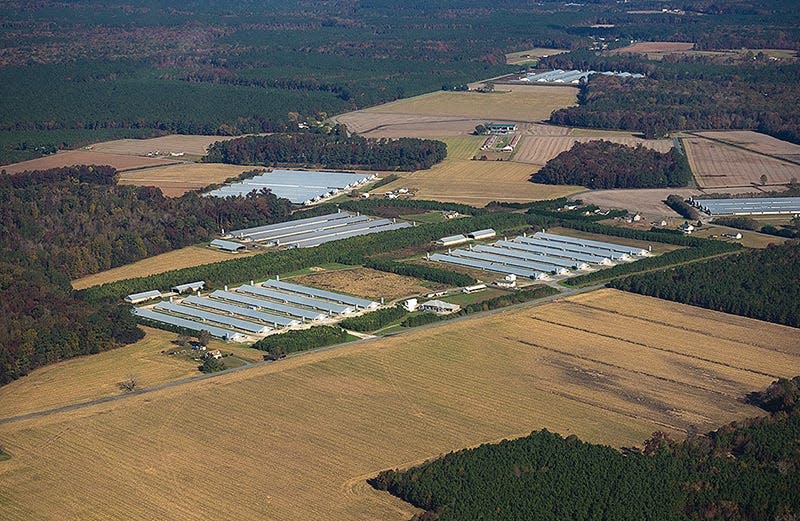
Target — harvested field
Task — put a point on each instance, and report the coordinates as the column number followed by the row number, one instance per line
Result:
column 463, row 147
column 368, row 283
column 87, row 157
column 176, row 180
column 477, row 183
column 750, row 239
column 173, row 260
column 297, row 439
column 193, row 145
column 530, row 104
column 538, row 150
column 375, row 124
column 756, row 142
column 646, row 201
column 716, row 165
column 654, row 47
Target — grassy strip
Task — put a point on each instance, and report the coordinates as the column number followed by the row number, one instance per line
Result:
column 374, row 320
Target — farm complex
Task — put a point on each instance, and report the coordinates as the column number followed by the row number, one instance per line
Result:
column 540, row 255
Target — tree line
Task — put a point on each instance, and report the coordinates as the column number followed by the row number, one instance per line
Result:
column 759, row 284
column 602, row 164
column 329, row 151
column 748, row 469
column 301, row 340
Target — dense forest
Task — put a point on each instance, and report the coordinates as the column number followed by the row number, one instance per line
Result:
column 93, row 72
column 334, row 150
column 747, row 470
column 762, row 100
column 63, row 223
column 762, row 284
column 602, row 164
column 81, row 221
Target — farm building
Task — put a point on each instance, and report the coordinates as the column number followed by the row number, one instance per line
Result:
column 488, row 233
column 298, row 186
column 473, row 289
column 137, row 298
column 233, row 247
column 410, row 304
column 313, row 231
column 190, row 287
column 439, row 307
column 687, row 228
column 540, row 255
column 214, row 353
column 749, row 205
column 191, row 325
column 501, row 128
column 452, row 240
column 571, row 77
column 508, row 282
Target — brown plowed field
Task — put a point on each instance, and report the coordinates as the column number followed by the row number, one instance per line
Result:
column 87, row 157
column 538, row 150
column 296, row 439
column 176, row 180
column 367, row 283
column 716, row 165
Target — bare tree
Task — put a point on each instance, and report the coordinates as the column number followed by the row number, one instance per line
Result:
column 129, row 383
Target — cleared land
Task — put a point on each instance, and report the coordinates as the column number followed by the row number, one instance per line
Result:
column 532, row 104
column 477, row 183
column 655, row 50
column 716, row 165
column 646, row 201
column 407, row 125
column 87, row 157
column 749, row 238
column 193, row 145
column 296, row 439
column 529, row 55
column 367, row 283
column 538, row 150
column 173, row 260
column 757, row 142
column 176, row 180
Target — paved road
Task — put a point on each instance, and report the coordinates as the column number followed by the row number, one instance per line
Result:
column 563, row 292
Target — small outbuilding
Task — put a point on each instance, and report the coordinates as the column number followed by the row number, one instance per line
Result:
column 191, row 287
column 230, row 246
column 137, row 298
column 478, row 235
column 452, row 240
column 501, row 128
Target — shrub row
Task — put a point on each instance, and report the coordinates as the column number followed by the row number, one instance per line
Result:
column 374, row 320
column 303, row 339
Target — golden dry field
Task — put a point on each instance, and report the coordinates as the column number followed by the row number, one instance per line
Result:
column 297, row 439
column 533, row 103
column 757, row 142
column 176, row 180
column 538, row 150
column 716, row 165
column 477, row 183
column 750, row 239
column 377, row 124
column 173, row 260
column 367, row 283
column 87, row 157
column 96, row 376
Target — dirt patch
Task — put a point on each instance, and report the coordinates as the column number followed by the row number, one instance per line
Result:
column 368, row 283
